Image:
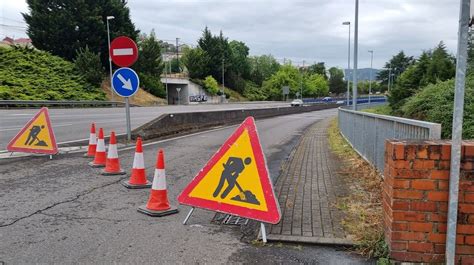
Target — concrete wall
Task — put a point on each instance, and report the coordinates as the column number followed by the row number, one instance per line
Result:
column 177, row 123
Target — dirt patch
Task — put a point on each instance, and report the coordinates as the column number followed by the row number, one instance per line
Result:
column 141, row 98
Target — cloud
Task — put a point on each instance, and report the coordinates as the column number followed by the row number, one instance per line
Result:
column 298, row 30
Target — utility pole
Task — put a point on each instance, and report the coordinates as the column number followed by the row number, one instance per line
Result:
column 389, row 77
column 356, row 52
column 177, row 54
column 223, row 80
column 301, row 83
column 348, row 23
column 456, row 141
column 110, row 58
column 166, row 74
column 370, row 72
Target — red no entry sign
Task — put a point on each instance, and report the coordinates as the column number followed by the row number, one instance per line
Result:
column 123, row 51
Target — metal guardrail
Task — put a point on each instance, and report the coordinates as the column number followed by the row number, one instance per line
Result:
column 57, row 103
column 367, row 132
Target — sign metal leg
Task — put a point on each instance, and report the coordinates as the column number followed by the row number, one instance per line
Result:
column 264, row 233
column 127, row 116
column 189, row 215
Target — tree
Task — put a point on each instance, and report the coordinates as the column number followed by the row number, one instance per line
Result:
column 337, row 85
column 398, row 64
column 239, row 68
column 150, row 64
column 217, row 51
column 88, row 64
column 442, row 66
column 315, row 85
column 64, row 26
column 318, row 68
column 287, row 75
column 262, row 67
column 197, row 62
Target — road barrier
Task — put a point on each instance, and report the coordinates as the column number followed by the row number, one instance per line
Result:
column 178, row 123
column 367, row 132
column 58, row 103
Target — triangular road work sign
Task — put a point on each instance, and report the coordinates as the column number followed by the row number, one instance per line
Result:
column 236, row 180
column 36, row 137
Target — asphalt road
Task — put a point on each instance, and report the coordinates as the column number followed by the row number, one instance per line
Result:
column 63, row 211
column 74, row 124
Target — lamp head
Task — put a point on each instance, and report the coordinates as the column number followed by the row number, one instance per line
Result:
column 110, row 17
column 346, row 23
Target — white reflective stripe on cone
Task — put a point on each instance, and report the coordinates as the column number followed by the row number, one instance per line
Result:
column 92, row 139
column 100, row 146
column 112, row 151
column 159, row 181
column 138, row 161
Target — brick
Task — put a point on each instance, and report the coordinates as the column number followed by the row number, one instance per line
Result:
column 469, row 240
column 406, row 256
column 420, row 247
column 466, row 185
column 399, row 151
column 398, row 245
column 439, row 174
column 441, row 196
column 401, row 164
column 469, row 197
column 401, row 184
column 439, row 248
column 465, row 249
column 441, row 228
column 408, row 216
column 396, row 226
column 438, row 218
column 467, row 165
column 437, row 238
column 460, row 239
column 423, row 185
column 400, row 205
column 407, row 194
column 423, row 164
column 446, row 152
column 420, row 227
column 465, row 260
column 466, row 208
column 409, row 236
column 422, row 152
column 411, row 152
column 434, row 152
column 469, row 151
column 443, row 185
column 423, row 206
column 443, row 207
column 465, row 229
column 444, row 165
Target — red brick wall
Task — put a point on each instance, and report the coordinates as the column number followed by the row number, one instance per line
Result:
column 415, row 195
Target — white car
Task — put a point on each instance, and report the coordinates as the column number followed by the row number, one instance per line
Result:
column 297, row 102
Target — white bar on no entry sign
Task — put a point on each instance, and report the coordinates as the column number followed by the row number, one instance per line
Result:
column 125, row 51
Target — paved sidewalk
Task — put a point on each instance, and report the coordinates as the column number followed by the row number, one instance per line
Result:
column 307, row 190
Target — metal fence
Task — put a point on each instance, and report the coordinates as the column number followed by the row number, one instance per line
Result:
column 367, row 132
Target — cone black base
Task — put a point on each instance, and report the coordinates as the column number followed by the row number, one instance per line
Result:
column 95, row 165
column 104, row 173
column 171, row 210
column 127, row 185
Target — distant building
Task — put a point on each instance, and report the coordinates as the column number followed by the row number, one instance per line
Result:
column 26, row 42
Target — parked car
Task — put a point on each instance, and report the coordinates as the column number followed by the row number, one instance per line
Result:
column 327, row 99
column 340, row 102
column 297, row 103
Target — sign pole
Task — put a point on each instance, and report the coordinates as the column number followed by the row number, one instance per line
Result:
column 187, row 216
column 127, row 116
column 460, row 83
column 264, row 233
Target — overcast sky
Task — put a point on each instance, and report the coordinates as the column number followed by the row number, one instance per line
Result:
column 297, row 30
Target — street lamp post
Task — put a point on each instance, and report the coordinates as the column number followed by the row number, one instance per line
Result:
column 356, row 51
column 370, row 73
column 348, row 23
column 389, row 77
column 223, row 80
column 110, row 58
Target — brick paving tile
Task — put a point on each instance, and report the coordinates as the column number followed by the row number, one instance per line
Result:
column 307, row 189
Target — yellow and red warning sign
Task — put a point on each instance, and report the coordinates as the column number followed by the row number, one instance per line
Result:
column 36, row 137
column 236, row 180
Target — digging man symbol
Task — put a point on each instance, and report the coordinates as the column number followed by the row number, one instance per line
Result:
column 33, row 136
column 232, row 170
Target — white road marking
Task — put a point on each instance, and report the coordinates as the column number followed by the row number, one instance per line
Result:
column 19, row 128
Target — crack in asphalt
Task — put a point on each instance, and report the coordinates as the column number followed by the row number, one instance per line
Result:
column 40, row 211
column 71, row 218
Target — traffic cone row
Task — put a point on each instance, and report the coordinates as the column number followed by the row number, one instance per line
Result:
column 158, row 204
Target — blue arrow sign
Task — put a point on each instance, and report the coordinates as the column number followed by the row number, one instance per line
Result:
column 125, row 82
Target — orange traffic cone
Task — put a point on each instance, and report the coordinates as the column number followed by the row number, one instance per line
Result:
column 100, row 156
column 112, row 164
column 158, row 204
column 138, row 177
column 92, row 142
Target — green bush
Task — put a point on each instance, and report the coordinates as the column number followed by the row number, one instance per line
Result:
column 29, row 74
column 434, row 103
column 152, row 84
column 211, row 85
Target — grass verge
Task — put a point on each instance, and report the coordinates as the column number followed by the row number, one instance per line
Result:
column 363, row 219
column 384, row 110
